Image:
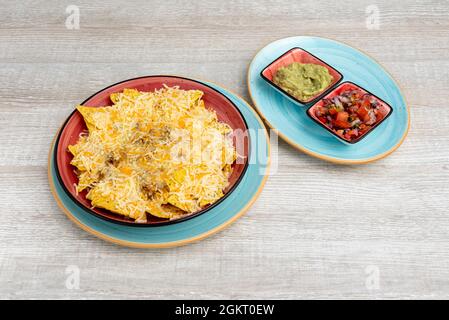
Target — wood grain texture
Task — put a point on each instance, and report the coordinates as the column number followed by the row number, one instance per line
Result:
column 305, row 237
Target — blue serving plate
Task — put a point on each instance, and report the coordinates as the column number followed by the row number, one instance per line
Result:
column 210, row 222
column 291, row 121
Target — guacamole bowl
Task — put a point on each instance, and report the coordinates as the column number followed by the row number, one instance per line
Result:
column 301, row 76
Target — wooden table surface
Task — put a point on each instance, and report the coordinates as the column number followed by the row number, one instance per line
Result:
column 386, row 237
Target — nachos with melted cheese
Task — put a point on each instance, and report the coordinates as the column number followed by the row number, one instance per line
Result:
column 162, row 153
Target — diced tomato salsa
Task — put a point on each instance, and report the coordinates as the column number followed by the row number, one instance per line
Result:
column 350, row 114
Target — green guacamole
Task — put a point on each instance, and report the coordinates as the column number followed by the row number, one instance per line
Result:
column 303, row 80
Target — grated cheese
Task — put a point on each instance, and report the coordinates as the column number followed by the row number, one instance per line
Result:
column 160, row 152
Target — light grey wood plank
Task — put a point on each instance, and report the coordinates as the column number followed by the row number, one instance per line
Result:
column 305, row 237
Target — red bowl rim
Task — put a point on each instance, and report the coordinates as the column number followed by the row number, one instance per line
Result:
column 366, row 133
column 164, row 222
column 319, row 95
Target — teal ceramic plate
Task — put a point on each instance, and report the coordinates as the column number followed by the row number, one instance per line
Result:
column 291, row 122
column 234, row 206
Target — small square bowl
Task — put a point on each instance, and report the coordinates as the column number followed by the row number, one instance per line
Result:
column 298, row 55
column 385, row 109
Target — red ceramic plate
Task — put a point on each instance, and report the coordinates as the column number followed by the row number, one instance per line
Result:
column 226, row 111
column 302, row 56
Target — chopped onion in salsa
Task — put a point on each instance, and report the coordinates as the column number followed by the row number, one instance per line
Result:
column 350, row 114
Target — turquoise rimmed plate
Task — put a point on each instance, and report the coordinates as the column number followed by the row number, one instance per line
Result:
column 214, row 220
column 291, row 122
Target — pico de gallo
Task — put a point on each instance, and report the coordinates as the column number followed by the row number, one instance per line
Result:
column 350, row 114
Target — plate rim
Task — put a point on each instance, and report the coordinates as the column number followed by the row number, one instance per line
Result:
column 133, row 223
column 133, row 244
column 315, row 154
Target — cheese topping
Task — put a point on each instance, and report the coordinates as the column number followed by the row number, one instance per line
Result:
column 160, row 152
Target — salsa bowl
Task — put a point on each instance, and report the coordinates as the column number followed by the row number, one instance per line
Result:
column 336, row 122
